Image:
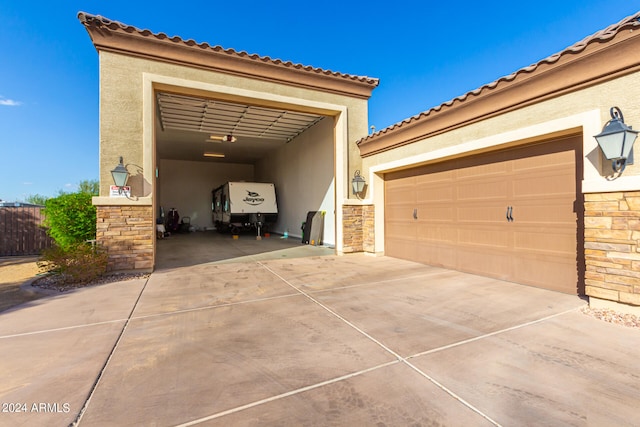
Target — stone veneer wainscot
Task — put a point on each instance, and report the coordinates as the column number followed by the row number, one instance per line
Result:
column 127, row 233
column 612, row 250
column 358, row 228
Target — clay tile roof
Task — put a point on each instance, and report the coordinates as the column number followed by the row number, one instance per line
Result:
column 628, row 23
column 89, row 20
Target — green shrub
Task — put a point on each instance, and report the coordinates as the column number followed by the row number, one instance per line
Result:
column 80, row 263
column 70, row 219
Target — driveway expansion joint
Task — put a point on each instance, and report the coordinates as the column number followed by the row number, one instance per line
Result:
column 213, row 307
column 494, row 333
column 287, row 394
column 82, row 411
column 66, row 328
column 398, row 357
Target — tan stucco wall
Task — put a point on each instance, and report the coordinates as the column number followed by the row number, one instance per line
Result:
column 121, row 110
column 120, row 119
column 623, row 92
column 309, row 159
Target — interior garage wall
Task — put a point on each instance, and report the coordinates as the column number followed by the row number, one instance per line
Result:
column 186, row 186
column 303, row 172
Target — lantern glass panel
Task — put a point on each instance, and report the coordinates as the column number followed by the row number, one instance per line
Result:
column 611, row 145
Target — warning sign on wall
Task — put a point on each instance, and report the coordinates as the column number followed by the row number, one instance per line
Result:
column 120, row 192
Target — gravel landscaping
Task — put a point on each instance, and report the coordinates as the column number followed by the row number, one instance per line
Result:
column 615, row 317
column 56, row 283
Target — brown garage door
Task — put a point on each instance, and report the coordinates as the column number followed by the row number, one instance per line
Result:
column 514, row 214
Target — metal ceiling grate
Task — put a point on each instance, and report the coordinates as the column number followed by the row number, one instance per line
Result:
column 181, row 112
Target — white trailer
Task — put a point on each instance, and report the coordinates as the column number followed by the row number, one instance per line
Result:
column 244, row 205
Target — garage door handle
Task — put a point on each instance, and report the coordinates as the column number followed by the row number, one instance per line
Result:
column 509, row 213
column 415, row 214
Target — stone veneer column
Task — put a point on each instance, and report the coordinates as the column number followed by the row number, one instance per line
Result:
column 127, row 233
column 358, row 228
column 368, row 229
column 612, row 250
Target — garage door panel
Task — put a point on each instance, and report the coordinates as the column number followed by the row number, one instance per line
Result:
column 483, row 190
column 400, row 212
column 484, row 238
column 437, row 253
column 435, row 175
column 404, row 248
column 480, row 214
column 435, row 193
column 552, row 209
column 434, row 213
column 474, row 172
column 402, row 229
column 402, row 196
column 547, row 271
column 551, row 214
column 543, row 186
column 437, row 233
column 484, row 261
column 401, row 189
column 483, row 165
column 462, row 214
column 537, row 159
column 552, row 240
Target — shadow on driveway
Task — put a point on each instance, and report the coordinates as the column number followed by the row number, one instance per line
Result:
column 320, row 340
column 186, row 249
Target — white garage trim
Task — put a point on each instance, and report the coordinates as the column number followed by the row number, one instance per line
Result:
column 151, row 81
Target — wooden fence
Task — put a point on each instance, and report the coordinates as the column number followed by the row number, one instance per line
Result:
column 21, row 232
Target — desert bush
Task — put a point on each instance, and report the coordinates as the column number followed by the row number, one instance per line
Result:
column 79, row 263
column 70, row 219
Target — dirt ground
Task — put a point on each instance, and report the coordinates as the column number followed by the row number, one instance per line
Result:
column 14, row 271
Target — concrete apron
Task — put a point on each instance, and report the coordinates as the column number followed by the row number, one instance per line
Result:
column 327, row 340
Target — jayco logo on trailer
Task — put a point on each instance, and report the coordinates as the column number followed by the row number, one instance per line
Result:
column 253, row 198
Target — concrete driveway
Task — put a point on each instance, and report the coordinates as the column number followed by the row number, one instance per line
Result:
column 325, row 340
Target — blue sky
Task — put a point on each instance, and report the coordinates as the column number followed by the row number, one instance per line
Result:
column 424, row 53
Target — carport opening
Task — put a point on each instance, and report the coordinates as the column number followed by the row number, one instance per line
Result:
column 203, row 142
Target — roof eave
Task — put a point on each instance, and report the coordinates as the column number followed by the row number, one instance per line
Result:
column 604, row 56
column 112, row 36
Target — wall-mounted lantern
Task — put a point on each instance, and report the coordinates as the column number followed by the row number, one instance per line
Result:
column 357, row 183
column 120, row 175
column 616, row 140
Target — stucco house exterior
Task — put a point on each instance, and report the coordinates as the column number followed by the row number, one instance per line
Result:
column 505, row 181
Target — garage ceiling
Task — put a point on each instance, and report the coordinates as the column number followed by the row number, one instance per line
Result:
column 186, row 122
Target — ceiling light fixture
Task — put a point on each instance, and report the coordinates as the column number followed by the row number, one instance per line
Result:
column 219, row 155
column 225, row 138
